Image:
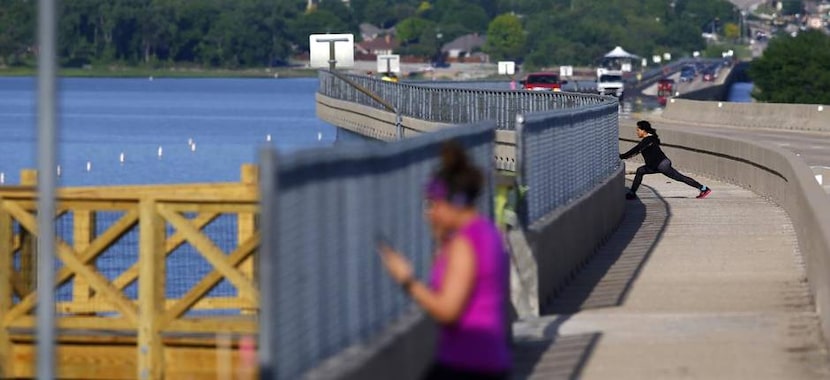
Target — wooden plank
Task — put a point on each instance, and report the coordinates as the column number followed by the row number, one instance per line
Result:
column 86, row 323
column 212, row 303
column 212, row 325
column 209, row 281
column 83, row 231
column 80, row 361
column 6, row 289
column 127, row 277
column 97, row 281
column 222, row 208
column 246, row 228
column 150, row 291
column 211, row 253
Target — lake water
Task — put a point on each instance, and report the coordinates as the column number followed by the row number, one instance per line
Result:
column 740, row 92
column 227, row 119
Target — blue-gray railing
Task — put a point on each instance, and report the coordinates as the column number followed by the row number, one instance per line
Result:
column 323, row 287
column 563, row 154
column 452, row 105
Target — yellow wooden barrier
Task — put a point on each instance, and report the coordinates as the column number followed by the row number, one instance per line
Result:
column 98, row 303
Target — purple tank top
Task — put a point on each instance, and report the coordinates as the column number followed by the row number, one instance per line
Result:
column 478, row 340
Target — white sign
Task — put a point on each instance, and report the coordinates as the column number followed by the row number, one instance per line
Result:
column 566, row 71
column 507, row 67
column 320, row 49
column 656, row 59
column 645, row 62
column 626, row 67
column 667, row 56
column 389, row 63
column 695, row 54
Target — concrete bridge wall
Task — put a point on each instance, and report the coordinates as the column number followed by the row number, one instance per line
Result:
column 768, row 171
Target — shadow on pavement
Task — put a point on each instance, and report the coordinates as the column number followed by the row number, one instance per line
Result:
column 606, row 278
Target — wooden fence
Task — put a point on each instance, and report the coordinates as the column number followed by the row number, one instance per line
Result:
column 128, row 305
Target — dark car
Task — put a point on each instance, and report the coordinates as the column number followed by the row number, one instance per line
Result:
column 688, row 74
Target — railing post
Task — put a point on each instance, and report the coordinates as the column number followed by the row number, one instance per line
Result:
column 83, row 232
column 6, row 247
column 246, row 227
column 151, row 286
column 28, row 255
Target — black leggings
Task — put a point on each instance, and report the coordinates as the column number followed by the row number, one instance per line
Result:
column 667, row 170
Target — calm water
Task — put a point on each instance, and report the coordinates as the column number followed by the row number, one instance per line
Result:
column 228, row 120
column 741, row 92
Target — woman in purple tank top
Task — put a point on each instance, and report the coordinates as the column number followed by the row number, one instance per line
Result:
column 467, row 294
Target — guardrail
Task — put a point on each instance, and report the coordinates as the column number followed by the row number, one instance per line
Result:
column 452, row 105
column 323, row 287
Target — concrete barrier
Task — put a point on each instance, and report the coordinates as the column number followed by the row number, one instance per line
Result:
column 797, row 117
column 562, row 241
column 770, row 172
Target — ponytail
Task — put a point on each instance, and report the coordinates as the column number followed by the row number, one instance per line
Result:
column 457, row 180
column 646, row 126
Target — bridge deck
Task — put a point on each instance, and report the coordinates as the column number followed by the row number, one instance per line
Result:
column 662, row 300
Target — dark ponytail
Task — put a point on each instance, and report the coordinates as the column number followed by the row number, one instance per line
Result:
column 646, row 126
column 462, row 179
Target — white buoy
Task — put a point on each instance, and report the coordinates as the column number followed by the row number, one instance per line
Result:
column 2, row 178
column 121, row 158
column 319, row 136
column 193, row 147
column 160, row 151
column 89, row 166
column 268, row 137
column 58, row 170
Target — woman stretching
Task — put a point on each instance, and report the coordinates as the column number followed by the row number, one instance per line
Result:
column 656, row 162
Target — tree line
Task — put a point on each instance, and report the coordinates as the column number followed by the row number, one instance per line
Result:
column 256, row 33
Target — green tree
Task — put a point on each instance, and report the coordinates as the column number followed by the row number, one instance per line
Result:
column 794, row 70
column 505, row 38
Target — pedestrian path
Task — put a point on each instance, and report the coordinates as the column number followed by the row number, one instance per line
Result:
column 685, row 289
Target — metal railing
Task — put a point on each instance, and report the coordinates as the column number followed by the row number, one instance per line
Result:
column 563, row 154
column 323, row 287
column 453, row 105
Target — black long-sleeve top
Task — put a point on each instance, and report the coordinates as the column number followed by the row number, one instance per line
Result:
column 649, row 146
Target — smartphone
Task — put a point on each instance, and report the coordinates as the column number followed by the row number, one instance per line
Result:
column 382, row 241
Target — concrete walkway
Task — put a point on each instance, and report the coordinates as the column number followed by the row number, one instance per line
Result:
column 685, row 289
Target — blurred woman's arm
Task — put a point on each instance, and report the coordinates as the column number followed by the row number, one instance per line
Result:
column 446, row 304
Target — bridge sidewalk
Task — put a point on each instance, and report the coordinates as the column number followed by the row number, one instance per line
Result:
column 686, row 288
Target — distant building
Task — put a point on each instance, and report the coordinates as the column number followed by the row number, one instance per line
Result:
column 463, row 46
column 370, row 32
column 378, row 46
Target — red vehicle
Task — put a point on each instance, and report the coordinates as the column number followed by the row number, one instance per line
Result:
column 665, row 90
column 542, row 81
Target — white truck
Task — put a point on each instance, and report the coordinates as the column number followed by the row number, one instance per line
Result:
column 610, row 82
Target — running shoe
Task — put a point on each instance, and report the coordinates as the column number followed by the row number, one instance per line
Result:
column 704, row 193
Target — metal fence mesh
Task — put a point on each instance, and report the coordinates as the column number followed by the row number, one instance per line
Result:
column 323, row 287
column 566, row 153
column 452, row 105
